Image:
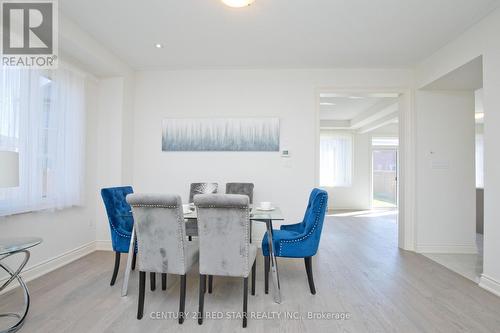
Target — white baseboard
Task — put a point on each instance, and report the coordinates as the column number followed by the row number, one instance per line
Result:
column 103, row 245
column 490, row 284
column 52, row 264
column 447, row 249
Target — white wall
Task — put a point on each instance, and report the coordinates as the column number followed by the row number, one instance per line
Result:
column 115, row 149
column 481, row 39
column 287, row 94
column 110, row 152
column 78, row 47
column 128, row 128
column 446, row 194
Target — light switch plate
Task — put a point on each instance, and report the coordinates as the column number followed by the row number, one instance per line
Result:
column 440, row 164
column 285, row 153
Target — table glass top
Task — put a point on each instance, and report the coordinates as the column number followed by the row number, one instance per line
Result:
column 275, row 214
column 255, row 214
column 14, row 244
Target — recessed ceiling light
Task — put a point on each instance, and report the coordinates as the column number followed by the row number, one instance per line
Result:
column 356, row 97
column 479, row 116
column 158, row 45
column 327, row 103
column 238, row 3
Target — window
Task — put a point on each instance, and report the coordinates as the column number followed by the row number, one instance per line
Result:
column 42, row 118
column 335, row 159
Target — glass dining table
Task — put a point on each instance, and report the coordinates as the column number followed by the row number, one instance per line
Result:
column 256, row 215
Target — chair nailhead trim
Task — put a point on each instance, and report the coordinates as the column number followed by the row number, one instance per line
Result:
column 158, row 206
column 119, row 233
column 181, row 228
column 291, row 241
column 247, row 241
column 214, row 206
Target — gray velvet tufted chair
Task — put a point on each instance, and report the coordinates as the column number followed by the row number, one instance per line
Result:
column 202, row 188
column 161, row 240
column 224, row 237
column 194, row 189
column 241, row 188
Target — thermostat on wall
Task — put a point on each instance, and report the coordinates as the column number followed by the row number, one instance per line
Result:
column 285, row 153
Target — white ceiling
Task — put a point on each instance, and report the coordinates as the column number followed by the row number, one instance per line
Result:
column 350, row 106
column 275, row 33
column 360, row 112
column 466, row 77
column 345, row 108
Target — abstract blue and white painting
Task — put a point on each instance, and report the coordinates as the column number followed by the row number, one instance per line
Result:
column 221, row 134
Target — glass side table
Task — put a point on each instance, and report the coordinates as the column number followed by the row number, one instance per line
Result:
column 10, row 247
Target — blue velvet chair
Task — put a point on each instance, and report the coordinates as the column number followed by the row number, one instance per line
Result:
column 120, row 222
column 299, row 240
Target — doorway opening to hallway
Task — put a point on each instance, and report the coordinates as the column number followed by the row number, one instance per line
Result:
column 358, row 155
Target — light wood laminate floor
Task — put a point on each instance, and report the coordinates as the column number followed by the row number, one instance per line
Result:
column 358, row 270
column 467, row 265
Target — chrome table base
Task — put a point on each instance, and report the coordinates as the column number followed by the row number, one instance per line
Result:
column 128, row 268
column 14, row 275
column 273, row 261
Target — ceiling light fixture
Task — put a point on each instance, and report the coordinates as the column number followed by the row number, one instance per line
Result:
column 327, row 103
column 238, row 3
column 158, row 45
column 356, row 97
column 479, row 116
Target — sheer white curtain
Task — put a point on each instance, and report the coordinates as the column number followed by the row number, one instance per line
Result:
column 335, row 159
column 42, row 118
